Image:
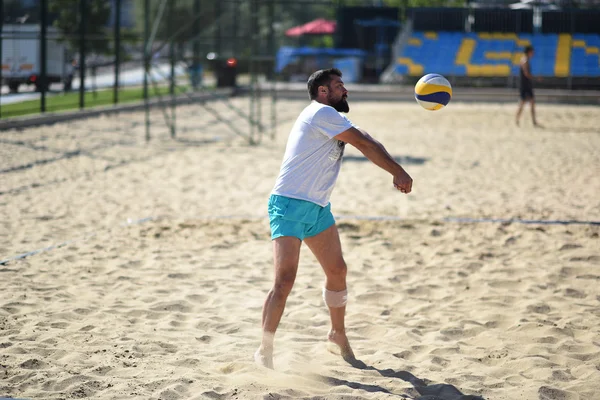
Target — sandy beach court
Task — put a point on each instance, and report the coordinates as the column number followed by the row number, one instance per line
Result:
column 162, row 260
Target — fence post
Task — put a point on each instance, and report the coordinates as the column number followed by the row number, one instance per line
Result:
column 117, row 50
column 82, row 23
column 1, row 39
column 196, row 47
column 43, row 84
column 217, row 37
column 572, row 30
column 172, row 62
column 251, row 70
column 146, row 64
column 234, row 33
column 271, row 73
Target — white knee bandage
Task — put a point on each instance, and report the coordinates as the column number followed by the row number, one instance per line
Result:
column 335, row 299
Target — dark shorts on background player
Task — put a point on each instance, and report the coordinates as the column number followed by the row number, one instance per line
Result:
column 526, row 93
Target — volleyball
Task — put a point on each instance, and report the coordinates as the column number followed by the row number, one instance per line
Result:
column 433, row 92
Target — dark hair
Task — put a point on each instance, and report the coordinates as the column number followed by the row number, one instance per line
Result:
column 321, row 78
column 528, row 49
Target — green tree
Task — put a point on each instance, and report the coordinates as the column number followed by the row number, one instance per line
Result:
column 68, row 19
column 182, row 18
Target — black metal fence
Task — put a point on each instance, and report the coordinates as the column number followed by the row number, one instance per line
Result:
column 145, row 48
column 505, row 20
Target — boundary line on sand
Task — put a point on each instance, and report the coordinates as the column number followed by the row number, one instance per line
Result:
column 523, row 221
column 131, row 222
column 67, row 242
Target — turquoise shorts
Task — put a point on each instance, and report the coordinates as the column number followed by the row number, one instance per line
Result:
column 298, row 218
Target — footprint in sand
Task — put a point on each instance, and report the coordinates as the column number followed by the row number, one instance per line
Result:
column 562, row 376
column 102, row 370
column 33, row 363
column 569, row 246
column 503, row 284
column 179, row 276
column 539, row 308
column 405, row 355
column 575, row 293
column 585, row 258
column 497, row 354
column 589, row 276
column 452, row 332
column 549, row 393
column 548, row 339
column 171, row 395
column 178, row 306
column 87, row 328
column 204, row 339
column 474, row 266
column 439, row 361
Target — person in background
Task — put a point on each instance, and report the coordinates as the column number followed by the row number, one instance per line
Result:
column 526, row 86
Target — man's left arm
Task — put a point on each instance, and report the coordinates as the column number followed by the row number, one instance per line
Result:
column 378, row 155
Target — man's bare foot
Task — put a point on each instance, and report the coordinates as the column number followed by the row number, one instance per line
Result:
column 340, row 339
column 537, row 125
column 517, row 122
column 264, row 357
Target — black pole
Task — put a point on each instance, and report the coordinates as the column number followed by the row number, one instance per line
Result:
column 218, row 32
column 271, row 38
column 172, row 60
column 82, row 22
column 117, row 50
column 234, row 33
column 43, row 83
column 146, row 64
column 271, row 74
column 1, row 38
column 572, row 31
column 196, row 47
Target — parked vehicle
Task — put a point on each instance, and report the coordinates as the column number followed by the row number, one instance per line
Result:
column 21, row 58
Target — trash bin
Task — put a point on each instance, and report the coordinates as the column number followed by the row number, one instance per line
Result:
column 227, row 73
column 195, row 73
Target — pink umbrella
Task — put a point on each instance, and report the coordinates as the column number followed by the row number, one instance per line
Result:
column 317, row 27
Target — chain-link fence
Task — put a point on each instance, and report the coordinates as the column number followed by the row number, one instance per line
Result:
column 76, row 54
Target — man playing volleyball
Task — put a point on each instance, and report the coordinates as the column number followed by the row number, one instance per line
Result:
column 299, row 208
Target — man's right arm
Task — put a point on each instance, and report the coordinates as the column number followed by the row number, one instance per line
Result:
column 378, row 155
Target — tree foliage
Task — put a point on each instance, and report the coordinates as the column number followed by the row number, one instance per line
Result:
column 182, row 17
column 68, row 19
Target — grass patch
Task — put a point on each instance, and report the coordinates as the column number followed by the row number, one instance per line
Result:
column 70, row 101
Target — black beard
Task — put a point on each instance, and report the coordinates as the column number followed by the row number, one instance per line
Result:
column 341, row 106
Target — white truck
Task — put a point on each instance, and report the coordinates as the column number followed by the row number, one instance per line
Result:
column 21, row 57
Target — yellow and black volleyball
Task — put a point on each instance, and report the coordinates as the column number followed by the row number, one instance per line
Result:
column 433, row 92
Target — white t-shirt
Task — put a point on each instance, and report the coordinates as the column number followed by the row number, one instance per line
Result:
column 313, row 157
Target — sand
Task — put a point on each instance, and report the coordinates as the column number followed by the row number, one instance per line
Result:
column 163, row 259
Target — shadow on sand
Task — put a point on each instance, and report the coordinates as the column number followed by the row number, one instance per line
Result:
column 571, row 129
column 403, row 160
column 424, row 388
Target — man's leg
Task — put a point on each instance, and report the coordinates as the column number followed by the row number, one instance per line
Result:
column 286, row 253
column 519, row 111
column 327, row 249
column 532, row 103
